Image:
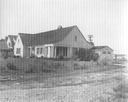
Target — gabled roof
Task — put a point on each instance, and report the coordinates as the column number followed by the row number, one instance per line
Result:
column 3, row 45
column 48, row 37
column 100, row 47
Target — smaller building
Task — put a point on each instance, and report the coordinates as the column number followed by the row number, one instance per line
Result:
column 105, row 53
column 3, row 47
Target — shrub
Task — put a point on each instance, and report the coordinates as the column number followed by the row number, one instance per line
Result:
column 87, row 55
column 4, row 55
column 77, row 66
column 75, row 57
column 31, row 70
column 45, row 67
column 95, row 57
column 58, row 66
column 10, row 54
column 11, row 66
column 60, row 57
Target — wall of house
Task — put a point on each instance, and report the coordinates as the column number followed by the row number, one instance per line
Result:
column 70, row 41
column 18, row 44
column 26, row 52
column 106, row 56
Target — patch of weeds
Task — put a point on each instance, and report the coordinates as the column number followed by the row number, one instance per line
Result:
column 46, row 68
column 58, row 66
column 11, row 66
column 121, row 92
column 76, row 66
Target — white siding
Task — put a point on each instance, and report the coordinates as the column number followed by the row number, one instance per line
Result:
column 18, row 44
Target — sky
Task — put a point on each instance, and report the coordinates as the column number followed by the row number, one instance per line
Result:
column 106, row 20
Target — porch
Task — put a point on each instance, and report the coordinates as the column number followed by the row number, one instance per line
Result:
column 52, row 51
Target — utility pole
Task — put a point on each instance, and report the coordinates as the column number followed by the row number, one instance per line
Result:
column 90, row 38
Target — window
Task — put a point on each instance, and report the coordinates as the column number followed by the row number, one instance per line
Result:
column 38, row 50
column 109, row 52
column 9, row 44
column 104, row 52
column 41, row 50
column 18, row 50
column 75, row 38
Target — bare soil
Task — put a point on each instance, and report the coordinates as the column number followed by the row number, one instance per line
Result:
column 75, row 86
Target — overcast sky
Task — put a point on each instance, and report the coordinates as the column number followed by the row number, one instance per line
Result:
column 106, row 20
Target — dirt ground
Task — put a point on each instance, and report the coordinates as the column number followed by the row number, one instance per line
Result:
column 76, row 86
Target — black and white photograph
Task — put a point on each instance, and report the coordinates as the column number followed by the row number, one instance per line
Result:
column 63, row 50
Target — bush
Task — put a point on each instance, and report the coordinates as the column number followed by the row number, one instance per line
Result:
column 10, row 54
column 60, row 57
column 4, row 55
column 75, row 57
column 87, row 55
column 11, row 66
column 95, row 57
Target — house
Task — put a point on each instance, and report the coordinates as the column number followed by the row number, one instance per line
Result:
column 61, row 41
column 3, row 47
column 11, row 39
column 104, row 52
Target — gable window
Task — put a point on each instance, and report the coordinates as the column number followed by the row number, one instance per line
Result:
column 18, row 51
column 109, row 52
column 75, row 38
column 104, row 52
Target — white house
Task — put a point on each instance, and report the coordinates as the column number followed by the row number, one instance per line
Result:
column 50, row 44
column 11, row 39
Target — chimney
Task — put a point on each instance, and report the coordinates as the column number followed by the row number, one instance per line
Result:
column 59, row 27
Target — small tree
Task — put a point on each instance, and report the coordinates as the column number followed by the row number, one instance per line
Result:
column 87, row 55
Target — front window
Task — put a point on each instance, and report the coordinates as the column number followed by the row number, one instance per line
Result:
column 18, row 50
column 75, row 38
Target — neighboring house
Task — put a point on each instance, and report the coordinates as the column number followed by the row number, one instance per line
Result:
column 62, row 41
column 120, row 57
column 104, row 52
column 11, row 39
column 3, row 47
